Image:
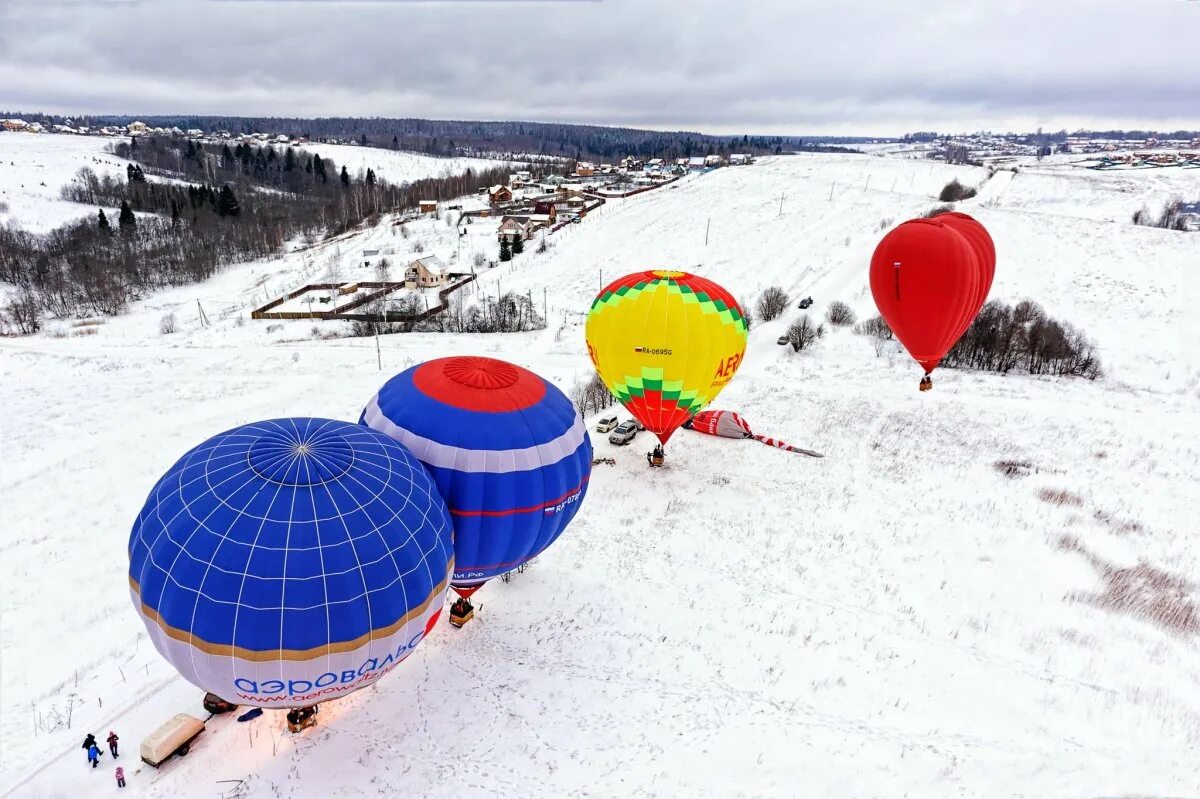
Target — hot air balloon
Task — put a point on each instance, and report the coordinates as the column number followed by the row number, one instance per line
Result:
column 291, row 561
column 665, row 343
column 507, row 450
column 728, row 424
column 926, row 279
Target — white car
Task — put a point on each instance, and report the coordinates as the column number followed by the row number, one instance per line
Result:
column 623, row 434
column 606, row 424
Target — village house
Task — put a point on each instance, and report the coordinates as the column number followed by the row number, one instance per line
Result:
column 428, row 206
column 696, row 162
column 544, row 209
column 712, row 160
column 499, row 194
column 585, row 169
column 137, row 128
column 740, row 158
column 14, row 124
column 425, row 273
column 511, row 227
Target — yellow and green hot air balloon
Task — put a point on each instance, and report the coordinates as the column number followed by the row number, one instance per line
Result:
column 665, row 343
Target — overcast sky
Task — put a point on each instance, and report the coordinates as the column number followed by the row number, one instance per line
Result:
column 721, row 66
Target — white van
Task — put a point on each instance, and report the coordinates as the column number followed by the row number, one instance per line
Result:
column 606, row 424
column 172, row 738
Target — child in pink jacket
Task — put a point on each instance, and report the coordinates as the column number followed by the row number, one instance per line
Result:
column 120, row 777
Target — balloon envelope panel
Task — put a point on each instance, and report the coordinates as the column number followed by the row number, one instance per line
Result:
column 290, row 561
column 665, row 343
column 507, row 450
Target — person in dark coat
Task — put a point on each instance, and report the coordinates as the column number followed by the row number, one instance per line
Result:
column 94, row 755
column 89, row 741
column 112, row 743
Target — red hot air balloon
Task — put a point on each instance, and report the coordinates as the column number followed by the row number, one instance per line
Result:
column 985, row 251
column 925, row 278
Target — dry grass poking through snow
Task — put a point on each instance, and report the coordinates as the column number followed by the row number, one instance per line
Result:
column 1143, row 591
column 1059, row 497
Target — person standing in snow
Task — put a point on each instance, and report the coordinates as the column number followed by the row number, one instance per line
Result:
column 89, row 741
column 112, row 743
column 120, row 777
column 94, row 755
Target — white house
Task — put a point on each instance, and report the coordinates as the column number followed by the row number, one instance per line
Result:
column 425, row 273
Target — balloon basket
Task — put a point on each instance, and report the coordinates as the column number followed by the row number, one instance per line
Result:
column 461, row 612
column 926, row 384
column 301, row 718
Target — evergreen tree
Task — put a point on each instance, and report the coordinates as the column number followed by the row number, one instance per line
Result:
column 518, row 245
column 174, row 212
column 362, row 139
column 102, row 222
column 370, row 177
column 319, row 169
column 345, row 177
column 226, row 157
column 308, row 166
column 132, row 143
column 227, row 203
column 395, row 142
column 127, row 220
column 289, row 160
column 505, row 253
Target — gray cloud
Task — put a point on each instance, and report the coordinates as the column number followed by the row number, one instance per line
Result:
column 781, row 66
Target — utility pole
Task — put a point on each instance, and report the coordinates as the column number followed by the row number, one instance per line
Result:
column 781, row 204
column 867, row 184
column 203, row 318
column 378, row 353
column 707, row 225
column 831, row 187
column 545, row 306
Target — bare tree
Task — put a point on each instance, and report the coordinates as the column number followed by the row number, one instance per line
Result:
column 23, row 312
column 840, row 314
column 771, row 303
column 166, row 325
column 802, row 333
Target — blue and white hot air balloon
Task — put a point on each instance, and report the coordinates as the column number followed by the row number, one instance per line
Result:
column 292, row 561
column 507, row 449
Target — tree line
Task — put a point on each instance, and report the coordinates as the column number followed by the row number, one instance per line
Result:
column 246, row 204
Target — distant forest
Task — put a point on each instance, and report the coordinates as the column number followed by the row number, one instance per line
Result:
column 446, row 138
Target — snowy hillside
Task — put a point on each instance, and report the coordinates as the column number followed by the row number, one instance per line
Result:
column 907, row 616
column 33, row 170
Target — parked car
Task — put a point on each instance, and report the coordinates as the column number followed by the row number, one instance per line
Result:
column 782, row 340
column 635, row 422
column 216, row 705
column 606, row 424
column 623, row 434
column 172, row 738
column 805, row 303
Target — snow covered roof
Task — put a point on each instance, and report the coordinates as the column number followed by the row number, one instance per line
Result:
column 431, row 264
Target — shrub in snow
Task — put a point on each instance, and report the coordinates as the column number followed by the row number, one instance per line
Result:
column 803, row 333
column 166, row 325
column 1022, row 337
column 840, row 315
column 954, row 191
column 479, row 260
column 23, row 313
column 771, row 303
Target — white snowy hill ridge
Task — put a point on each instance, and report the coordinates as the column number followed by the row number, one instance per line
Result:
column 986, row 590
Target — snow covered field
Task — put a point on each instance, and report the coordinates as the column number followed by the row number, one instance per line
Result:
column 33, row 170
column 394, row 166
column 899, row 618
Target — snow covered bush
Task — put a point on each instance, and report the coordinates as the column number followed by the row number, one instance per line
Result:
column 840, row 314
column 954, row 191
column 771, row 303
column 166, row 325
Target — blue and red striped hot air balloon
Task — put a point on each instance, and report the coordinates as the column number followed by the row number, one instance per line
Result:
column 508, row 451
